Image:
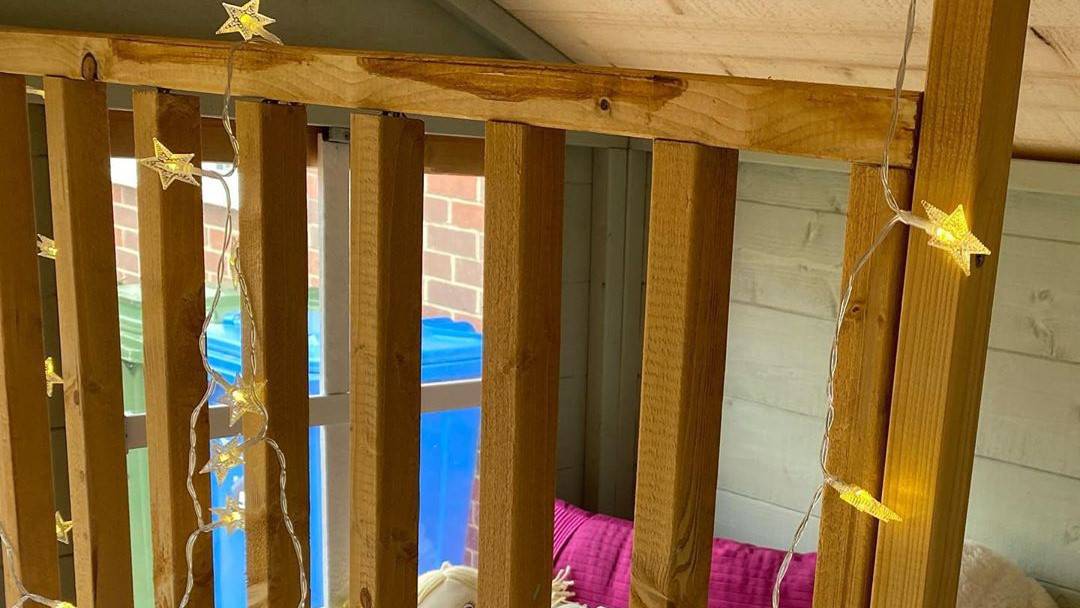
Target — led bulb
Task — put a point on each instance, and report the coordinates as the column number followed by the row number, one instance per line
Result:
column 244, row 398
column 46, row 247
column 863, row 501
column 63, row 529
column 247, row 21
column 224, row 457
column 64, row 605
column 949, row 232
column 170, row 167
column 51, row 377
column 231, row 516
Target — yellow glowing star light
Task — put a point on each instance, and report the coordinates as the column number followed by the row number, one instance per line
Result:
column 224, row 457
column 65, row 605
column 863, row 501
column 170, row 167
column 51, row 377
column 949, row 231
column 244, row 398
column 63, row 529
column 231, row 516
column 46, row 247
column 247, row 21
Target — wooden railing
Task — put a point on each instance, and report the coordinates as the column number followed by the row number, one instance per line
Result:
column 699, row 124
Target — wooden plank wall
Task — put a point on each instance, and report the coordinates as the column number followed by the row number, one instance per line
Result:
column 78, row 139
column 25, row 461
column 173, row 310
column 790, row 230
column 273, row 256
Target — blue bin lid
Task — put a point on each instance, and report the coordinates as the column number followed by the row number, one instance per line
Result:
column 450, row 350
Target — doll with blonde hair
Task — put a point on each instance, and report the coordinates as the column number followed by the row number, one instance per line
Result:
column 455, row 587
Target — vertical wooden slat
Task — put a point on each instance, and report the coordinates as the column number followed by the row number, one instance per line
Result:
column 173, row 310
column 863, row 387
column 26, row 505
column 273, row 256
column 522, row 283
column 682, row 386
column 78, row 136
column 969, row 110
column 387, row 229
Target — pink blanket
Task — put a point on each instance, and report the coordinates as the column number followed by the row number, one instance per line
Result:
column 597, row 548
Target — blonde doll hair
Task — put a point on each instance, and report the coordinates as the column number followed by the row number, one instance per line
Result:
column 428, row 582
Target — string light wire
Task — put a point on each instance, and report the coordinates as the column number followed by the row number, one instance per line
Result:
column 900, row 216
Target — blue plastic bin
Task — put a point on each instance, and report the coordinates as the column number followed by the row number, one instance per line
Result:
column 450, row 351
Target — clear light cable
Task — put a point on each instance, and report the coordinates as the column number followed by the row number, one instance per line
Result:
column 899, row 216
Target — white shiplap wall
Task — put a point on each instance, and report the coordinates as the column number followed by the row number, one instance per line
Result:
column 789, row 233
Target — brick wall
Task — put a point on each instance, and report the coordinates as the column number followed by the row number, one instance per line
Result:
column 454, row 247
column 453, row 242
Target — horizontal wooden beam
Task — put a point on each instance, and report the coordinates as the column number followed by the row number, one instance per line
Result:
column 827, row 121
column 447, row 154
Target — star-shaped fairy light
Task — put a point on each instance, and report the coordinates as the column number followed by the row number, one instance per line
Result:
column 231, row 516
column 863, row 501
column 224, row 457
column 949, row 231
column 248, row 22
column 244, row 398
column 170, row 167
column 63, row 529
column 46, row 247
column 51, row 377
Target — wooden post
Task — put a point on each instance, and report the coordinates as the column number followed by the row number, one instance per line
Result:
column 522, row 283
column 273, row 259
column 78, row 137
column 973, row 78
column 688, row 281
column 863, row 388
column 387, row 234
column 26, row 506
column 173, row 309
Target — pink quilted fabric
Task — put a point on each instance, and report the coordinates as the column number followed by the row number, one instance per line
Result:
column 597, row 548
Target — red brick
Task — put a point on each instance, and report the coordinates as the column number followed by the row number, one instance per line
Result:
column 434, row 311
column 215, row 238
column 468, row 215
column 476, row 322
column 456, row 242
column 455, row 186
column 468, row 272
column 437, row 265
column 313, row 261
column 125, row 217
column 451, row 296
column 436, row 210
column 313, row 184
column 130, row 239
column 127, row 261
column 129, row 196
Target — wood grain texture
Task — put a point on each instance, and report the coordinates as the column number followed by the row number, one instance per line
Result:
column 173, row 310
column 967, row 126
column 768, row 115
column 851, row 42
column 78, row 139
column 691, row 226
column 273, row 258
column 863, row 388
column 448, row 154
column 26, row 505
column 386, row 217
column 522, row 281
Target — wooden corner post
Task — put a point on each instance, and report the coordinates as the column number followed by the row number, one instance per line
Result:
column 691, row 225
column 26, row 507
column 864, row 377
column 273, row 258
column 969, row 113
column 386, row 226
column 522, row 300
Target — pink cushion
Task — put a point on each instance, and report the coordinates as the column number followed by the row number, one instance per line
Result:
column 597, row 548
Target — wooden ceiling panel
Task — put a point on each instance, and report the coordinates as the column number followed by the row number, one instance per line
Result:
column 840, row 41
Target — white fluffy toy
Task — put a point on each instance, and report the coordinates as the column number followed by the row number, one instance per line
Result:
column 455, row 587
